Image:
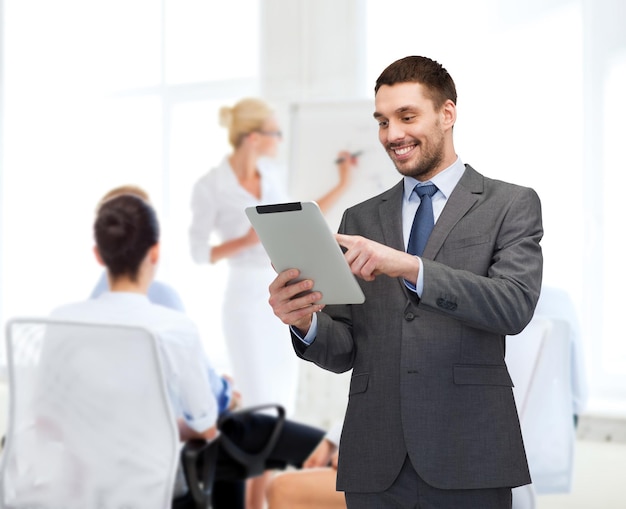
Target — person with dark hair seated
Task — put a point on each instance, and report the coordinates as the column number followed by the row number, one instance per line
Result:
column 126, row 232
column 158, row 291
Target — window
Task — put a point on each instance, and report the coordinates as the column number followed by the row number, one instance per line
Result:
column 608, row 226
column 100, row 94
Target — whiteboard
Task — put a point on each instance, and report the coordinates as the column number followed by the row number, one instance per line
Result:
column 319, row 130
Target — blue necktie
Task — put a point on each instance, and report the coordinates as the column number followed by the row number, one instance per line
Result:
column 424, row 220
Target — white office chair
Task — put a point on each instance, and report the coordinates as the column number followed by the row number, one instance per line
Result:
column 90, row 424
column 539, row 361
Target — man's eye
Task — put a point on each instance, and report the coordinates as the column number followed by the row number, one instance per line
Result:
column 383, row 123
column 408, row 118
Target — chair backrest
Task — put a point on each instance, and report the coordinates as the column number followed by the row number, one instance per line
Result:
column 90, row 424
column 539, row 360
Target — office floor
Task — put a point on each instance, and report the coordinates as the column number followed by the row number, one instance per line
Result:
column 599, row 478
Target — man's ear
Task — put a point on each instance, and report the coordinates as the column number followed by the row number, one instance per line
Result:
column 448, row 113
column 96, row 252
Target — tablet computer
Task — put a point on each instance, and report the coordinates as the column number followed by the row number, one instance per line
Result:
column 296, row 236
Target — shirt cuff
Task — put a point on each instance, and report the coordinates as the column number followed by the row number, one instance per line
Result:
column 418, row 288
column 226, row 394
column 310, row 336
column 201, row 423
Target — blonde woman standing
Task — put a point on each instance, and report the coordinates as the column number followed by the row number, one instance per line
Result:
column 258, row 343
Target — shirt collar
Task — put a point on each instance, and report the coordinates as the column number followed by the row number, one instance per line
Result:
column 127, row 297
column 445, row 180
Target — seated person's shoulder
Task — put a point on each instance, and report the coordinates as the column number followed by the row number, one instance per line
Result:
column 165, row 295
column 76, row 311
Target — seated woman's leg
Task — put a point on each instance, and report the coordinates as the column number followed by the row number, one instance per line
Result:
column 312, row 488
column 251, row 432
column 255, row 490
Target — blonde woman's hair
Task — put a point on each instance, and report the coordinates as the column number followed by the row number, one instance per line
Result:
column 124, row 190
column 247, row 116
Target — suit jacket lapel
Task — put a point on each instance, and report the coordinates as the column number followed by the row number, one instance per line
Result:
column 390, row 214
column 465, row 195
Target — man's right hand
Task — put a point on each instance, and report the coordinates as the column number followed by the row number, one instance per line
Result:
column 290, row 304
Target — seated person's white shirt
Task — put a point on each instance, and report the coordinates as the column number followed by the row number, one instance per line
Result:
column 184, row 361
column 164, row 295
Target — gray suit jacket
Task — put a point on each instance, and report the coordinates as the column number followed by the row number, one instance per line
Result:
column 429, row 377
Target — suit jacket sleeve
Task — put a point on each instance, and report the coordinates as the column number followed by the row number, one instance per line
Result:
column 497, row 295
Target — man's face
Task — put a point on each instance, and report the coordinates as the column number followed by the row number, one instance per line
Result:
column 411, row 130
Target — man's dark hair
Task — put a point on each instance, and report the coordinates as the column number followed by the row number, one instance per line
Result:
column 435, row 79
column 125, row 229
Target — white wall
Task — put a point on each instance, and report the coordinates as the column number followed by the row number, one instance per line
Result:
column 540, row 86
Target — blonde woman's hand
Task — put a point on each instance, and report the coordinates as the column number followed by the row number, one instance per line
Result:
column 346, row 163
column 251, row 238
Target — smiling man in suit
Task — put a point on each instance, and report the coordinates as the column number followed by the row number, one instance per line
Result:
column 431, row 420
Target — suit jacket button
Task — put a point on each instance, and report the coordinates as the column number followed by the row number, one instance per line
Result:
column 409, row 316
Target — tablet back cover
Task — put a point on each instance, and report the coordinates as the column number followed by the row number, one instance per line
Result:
column 296, row 235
